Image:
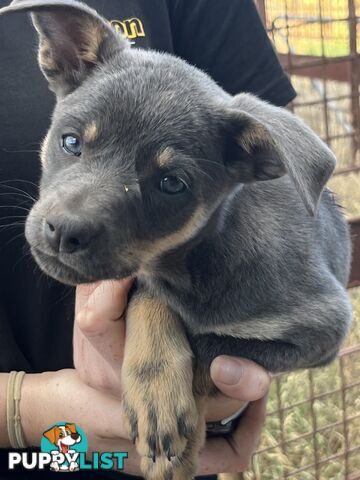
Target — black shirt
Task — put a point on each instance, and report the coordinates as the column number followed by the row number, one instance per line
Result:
column 226, row 39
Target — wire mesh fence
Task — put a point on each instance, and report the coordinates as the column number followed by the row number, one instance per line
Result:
column 312, row 430
column 318, row 42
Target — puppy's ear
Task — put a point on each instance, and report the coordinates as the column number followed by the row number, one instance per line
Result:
column 52, row 434
column 71, row 427
column 73, row 39
column 264, row 142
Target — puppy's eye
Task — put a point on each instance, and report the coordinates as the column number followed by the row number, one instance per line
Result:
column 71, row 145
column 61, row 434
column 172, row 185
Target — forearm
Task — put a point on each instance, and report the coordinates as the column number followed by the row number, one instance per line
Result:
column 4, row 439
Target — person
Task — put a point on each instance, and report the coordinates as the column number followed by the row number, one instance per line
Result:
column 37, row 334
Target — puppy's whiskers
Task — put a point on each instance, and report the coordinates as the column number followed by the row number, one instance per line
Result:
column 19, row 191
column 12, row 225
column 18, row 207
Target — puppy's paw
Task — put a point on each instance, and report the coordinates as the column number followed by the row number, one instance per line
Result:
column 54, row 466
column 74, row 467
column 160, row 420
column 165, row 470
column 157, row 378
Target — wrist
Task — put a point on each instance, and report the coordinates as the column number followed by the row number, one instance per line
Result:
column 34, row 406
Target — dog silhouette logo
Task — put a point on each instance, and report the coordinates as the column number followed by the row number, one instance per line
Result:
column 64, row 442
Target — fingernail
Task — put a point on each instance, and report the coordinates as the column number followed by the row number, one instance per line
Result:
column 226, row 370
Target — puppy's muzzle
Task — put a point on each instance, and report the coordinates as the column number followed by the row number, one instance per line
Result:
column 68, row 235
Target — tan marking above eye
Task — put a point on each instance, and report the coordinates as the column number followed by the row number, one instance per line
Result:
column 164, row 157
column 90, row 132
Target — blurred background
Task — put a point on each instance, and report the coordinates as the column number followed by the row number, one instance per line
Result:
column 313, row 424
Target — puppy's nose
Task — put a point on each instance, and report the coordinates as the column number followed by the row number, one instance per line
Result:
column 67, row 236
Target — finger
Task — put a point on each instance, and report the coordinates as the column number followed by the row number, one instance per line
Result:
column 106, row 303
column 239, row 378
column 99, row 332
column 220, row 407
column 83, row 293
column 233, row 454
column 245, row 438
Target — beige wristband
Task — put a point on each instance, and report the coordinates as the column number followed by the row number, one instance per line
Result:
column 13, row 419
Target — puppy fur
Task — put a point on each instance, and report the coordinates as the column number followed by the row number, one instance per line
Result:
column 249, row 256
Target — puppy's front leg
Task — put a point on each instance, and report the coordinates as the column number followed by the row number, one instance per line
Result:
column 157, row 376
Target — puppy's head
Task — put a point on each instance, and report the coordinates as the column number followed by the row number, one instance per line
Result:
column 143, row 148
column 63, row 436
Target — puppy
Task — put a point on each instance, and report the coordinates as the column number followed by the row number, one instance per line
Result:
column 216, row 204
column 63, row 437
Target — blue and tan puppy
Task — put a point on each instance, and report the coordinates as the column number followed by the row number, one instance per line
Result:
column 214, row 203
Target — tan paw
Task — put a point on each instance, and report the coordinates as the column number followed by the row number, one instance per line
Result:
column 160, row 421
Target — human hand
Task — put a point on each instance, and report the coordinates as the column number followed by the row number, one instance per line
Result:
column 99, row 333
column 239, row 380
column 99, row 337
column 54, row 396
